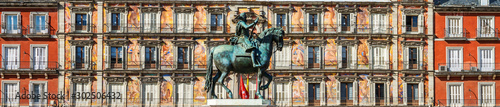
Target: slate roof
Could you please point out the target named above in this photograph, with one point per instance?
(464, 3)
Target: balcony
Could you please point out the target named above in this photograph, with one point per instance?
(11, 32)
(30, 65)
(466, 102)
(487, 34)
(338, 29)
(40, 31)
(81, 65)
(455, 34)
(414, 65)
(153, 65)
(166, 28)
(412, 2)
(470, 68)
(81, 30)
(331, 65)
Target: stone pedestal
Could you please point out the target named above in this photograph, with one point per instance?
(238, 103)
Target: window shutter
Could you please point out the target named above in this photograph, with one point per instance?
(339, 56)
(306, 86)
(123, 22)
(179, 23)
(420, 23)
(73, 57)
(406, 61)
(124, 53)
(109, 23)
(339, 22)
(375, 23)
(322, 93)
(87, 57)
(405, 95)
(353, 56)
(3, 23)
(157, 56)
(107, 55)
(385, 23)
(372, 92)
(190, 21)
(73, 22)
(421, 93)
(143, 56)
(153, 23)
(89, 22)
(353, 21)
(355, 92)
(47, 24)
(403, 22)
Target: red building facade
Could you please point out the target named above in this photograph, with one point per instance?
(28, 52)
(466, 49)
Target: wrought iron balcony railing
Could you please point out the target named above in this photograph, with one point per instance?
(487, 33)
(30, 65)
(330, 64)
(472, 67)
(455, 32)
(467, 102)
(338, 28)
(414, 65)
(169, 28)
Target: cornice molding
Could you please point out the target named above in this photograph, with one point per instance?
(81, 42)
(116, 42)
(150, 42)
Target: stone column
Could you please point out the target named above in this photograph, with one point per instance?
(61, 49)
(99, 51)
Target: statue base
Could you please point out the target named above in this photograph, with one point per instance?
(238, 102)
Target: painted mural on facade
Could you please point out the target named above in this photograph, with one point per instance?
(167, 91)
(299, 96)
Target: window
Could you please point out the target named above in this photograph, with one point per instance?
(412, 58)
(486, 92)
(149, 22)
(486, 59)
(486, 26)
(346, 22)
(11, 56)
(283, 94)
(115, 21)
(39, 24)
(379, 56)
(116, 57)
(182, 58)
(281, 21)
(313, 56)
(9, 91)
(455, 59)
(216, 22)
(185, 94)
(454, 26)
(313, 22)
(150, 94)
(12, 22)
(117, 90)
(150, 57)
(282, 59)
(38, 88)
(345, 58)
(412, 94)
(79, 89)
(314, 94)
(455, 94)
(39, 58)
(346, 93)
(184, 22)
(411, 23)
(81, 22)
(379, 94)
(379, 24)
(484, 2)
(80, 57)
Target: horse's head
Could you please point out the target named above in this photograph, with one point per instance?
(277, 36)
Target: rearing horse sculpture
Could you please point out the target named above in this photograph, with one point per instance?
(234, 58)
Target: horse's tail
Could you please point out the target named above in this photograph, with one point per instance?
(208, 77)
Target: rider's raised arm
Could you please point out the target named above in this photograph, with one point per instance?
(242, 23)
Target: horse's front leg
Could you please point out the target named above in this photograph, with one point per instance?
(259, 79)
(269, 77)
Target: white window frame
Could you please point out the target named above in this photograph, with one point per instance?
(283, 59)
(32, 54)
(185, 22)
(32, 22)
(80, 101)
(319, 57)
(420, 92)
(383, 22)
(420, 18)
(385, 89)
(143, 56)
(122, 22)
(407, 54)
(480, 59)
(384, 64)
(461, 93)
(283, 94)
(352, 58)
(154, 24)
(43, 101)
(459, 30)
(354, 92)
(352, 19)
(209, 21)
(286, 23)
(185, 90)
(122, 91)
(491, 32)
(492, 94)
(89, 21)
(319, 20)
(87, 53)
(461, 58)
(4, 100)
(108, 56)
(4, 58)
(4, 22)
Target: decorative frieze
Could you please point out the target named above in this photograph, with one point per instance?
(216, 43)
(413, 79)
(346, 42)
(314, 9)
(150, 79)
(217, 9)
(115, 79)
(150, 42)
(117, 9)
(81, 42)
(314, 79)
(288, 42)
(80, 79)
(412, 11)
(183, 79)
(379, 9)
(315, 42)
(341, 9)
(346, 78)
(150, 9)
(412, 43)
(379, 42)
(184, 9)
(379, 78)
(116, 42)
(184, 42)
(281, 9)
(80, 9)
(283, 79)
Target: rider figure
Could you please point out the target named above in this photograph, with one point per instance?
(242, 29)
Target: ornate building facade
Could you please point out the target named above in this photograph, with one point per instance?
(336, 53)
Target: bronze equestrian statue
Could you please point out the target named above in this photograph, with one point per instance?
(244, 56)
